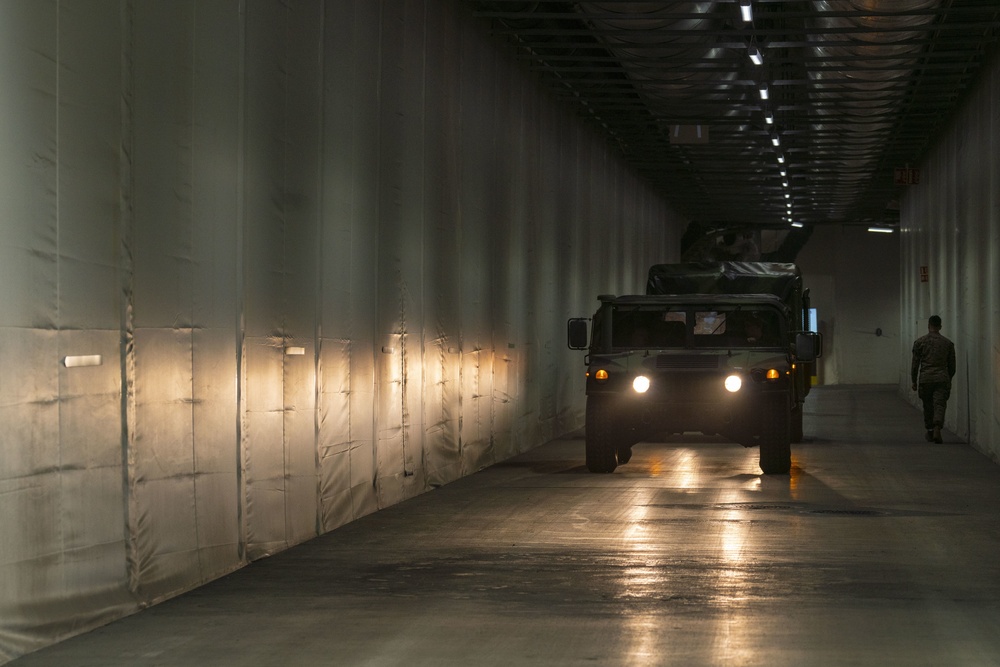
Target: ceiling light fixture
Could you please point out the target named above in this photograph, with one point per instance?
(775, 139)
(880, 230)
(763, 91)
(746, 11)
(797, 224)
(756, 57)
(769, 118)
(781, 158)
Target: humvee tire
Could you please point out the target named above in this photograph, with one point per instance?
(624, 454)
(602, 447)
(775, 441)
(797, 431)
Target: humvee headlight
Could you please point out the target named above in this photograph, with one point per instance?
(733, 383)
(641, 384)
(601, 375)
(772, 373)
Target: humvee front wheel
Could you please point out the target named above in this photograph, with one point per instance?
(798, 433)
(602, 449)
(775, 441)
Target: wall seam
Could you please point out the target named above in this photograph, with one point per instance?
(318, 277)
(376, 284)
(127, 324)
(58, 271)
(240, 250)
(194, 325)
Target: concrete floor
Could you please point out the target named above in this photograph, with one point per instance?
(878, 549)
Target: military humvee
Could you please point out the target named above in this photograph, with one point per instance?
(716, 347)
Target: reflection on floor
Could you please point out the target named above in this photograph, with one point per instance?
(879, 548)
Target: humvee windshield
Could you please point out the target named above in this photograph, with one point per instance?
(646, 327)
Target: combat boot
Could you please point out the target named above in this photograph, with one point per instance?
(937, 435)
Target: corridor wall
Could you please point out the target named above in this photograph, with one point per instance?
(950, 260)
(853, 281)
(317, 258)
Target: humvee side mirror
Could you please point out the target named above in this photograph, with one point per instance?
(576, 333)
(808, 345)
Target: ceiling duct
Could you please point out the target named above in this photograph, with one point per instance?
(870, 53)
(856, 88)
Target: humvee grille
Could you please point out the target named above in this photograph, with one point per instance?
(692, 361)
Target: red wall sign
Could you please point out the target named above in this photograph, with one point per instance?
(905, 176)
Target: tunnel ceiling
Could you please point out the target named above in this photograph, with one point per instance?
(856, 89)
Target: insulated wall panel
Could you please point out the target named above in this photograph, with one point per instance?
(28, 110)
(508, 270)
(280, 196)
(301, 193)
(161, 495)
(477, 227)
(213, 423)
(566, 243)
(349, 261)
(440, 245)
(345, 465)
(325, 252)
(401, 255)
(180, 141)
(88, 169)
(61, 467)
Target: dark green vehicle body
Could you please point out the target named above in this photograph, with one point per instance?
(699, 327)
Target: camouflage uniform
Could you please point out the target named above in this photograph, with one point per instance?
(931, 369)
